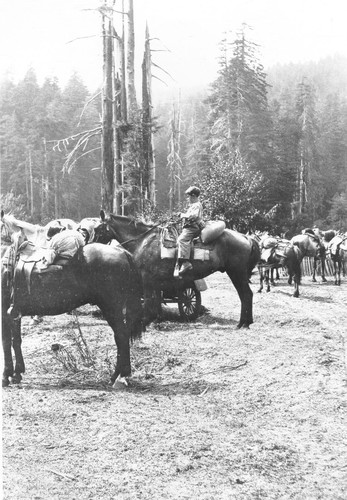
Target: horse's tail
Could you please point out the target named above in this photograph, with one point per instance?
(297, 262)
(134, 315)
(255, 255)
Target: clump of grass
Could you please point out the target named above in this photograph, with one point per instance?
(78, 356)
(81, 345)
(64, 356)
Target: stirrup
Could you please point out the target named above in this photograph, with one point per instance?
(14, 313)
(186, 266)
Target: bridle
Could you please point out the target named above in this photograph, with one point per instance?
(130, 240)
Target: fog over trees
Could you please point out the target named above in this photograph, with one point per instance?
(262, 145)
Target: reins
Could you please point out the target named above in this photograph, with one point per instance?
(131, 239)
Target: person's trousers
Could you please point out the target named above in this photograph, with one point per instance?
(184, 241)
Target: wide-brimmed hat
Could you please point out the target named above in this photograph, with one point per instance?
(193, 191)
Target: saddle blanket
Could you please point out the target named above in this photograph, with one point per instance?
(198, 253)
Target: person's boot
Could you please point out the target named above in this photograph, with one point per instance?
(186, 266)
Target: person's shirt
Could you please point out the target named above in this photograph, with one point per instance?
(194, 213)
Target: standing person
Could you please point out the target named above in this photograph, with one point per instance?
(192, 226)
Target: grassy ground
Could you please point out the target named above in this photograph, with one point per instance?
(211, 412)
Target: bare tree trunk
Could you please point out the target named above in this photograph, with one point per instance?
(174, 160)
(301, 183)
(45, 184)
(31, 184)
(131, 62)
(147, 121)
(107, 153)
(56, 192)
(118, 57)
(27, 183)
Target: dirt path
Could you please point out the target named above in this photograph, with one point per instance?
(211, 412)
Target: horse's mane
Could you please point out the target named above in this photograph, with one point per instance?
(10, 219)
(136, 221)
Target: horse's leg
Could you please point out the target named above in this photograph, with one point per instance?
(261, 277)
(116, 318)
(290, 274)
(322, 259)
(314, 270)
(272, 276)
(240, 282)
(158, 304)
(152, 304)
(7, 348)
(267, 279)
(17, 347)
(339, 271)
(277, 274)
(296, 285)
(296, 271)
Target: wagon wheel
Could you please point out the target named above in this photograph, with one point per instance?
(189, 303)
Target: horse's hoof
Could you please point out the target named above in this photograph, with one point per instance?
(14, 314)
(314, 281)
(16, 379)
(5, 382)
(242, 325)
(36, 320)
(120, 383)
(324, 280)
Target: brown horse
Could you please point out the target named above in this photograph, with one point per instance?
(324, 238)
(337, 247)
(102, 275)
(232, 252)
(310, 245)
(277, 252)
(34, 233)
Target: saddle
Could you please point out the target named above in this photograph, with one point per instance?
(337, 243)
(274, 248)
(168, 245)
(26, 259)
(311, 234)
(30, 259)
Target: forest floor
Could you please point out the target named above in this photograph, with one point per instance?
(211, 412)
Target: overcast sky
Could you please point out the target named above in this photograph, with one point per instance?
(49, 35)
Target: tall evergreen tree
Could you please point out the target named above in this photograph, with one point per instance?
(239, 117)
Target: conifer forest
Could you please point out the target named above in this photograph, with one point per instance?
(267, 146)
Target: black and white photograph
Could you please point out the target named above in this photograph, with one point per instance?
(173, 249)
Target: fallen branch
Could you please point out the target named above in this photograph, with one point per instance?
(221, 368)
(61, 474)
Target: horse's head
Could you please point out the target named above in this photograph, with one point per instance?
(18, 238)
(104, 233)
(8, 226)
(123, 229)
(5, 237)
(54, 228)
(87, 228)
(316, 245)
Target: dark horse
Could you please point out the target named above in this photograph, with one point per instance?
(277, 252)
(337, 248)
(232, 252)
(310, 245)
(102, 275)
(322, 237)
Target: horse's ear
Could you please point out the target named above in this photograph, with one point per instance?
(2, 213)
(102, 215)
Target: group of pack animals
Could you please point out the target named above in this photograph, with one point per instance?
(277, 252)
(121, 269)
